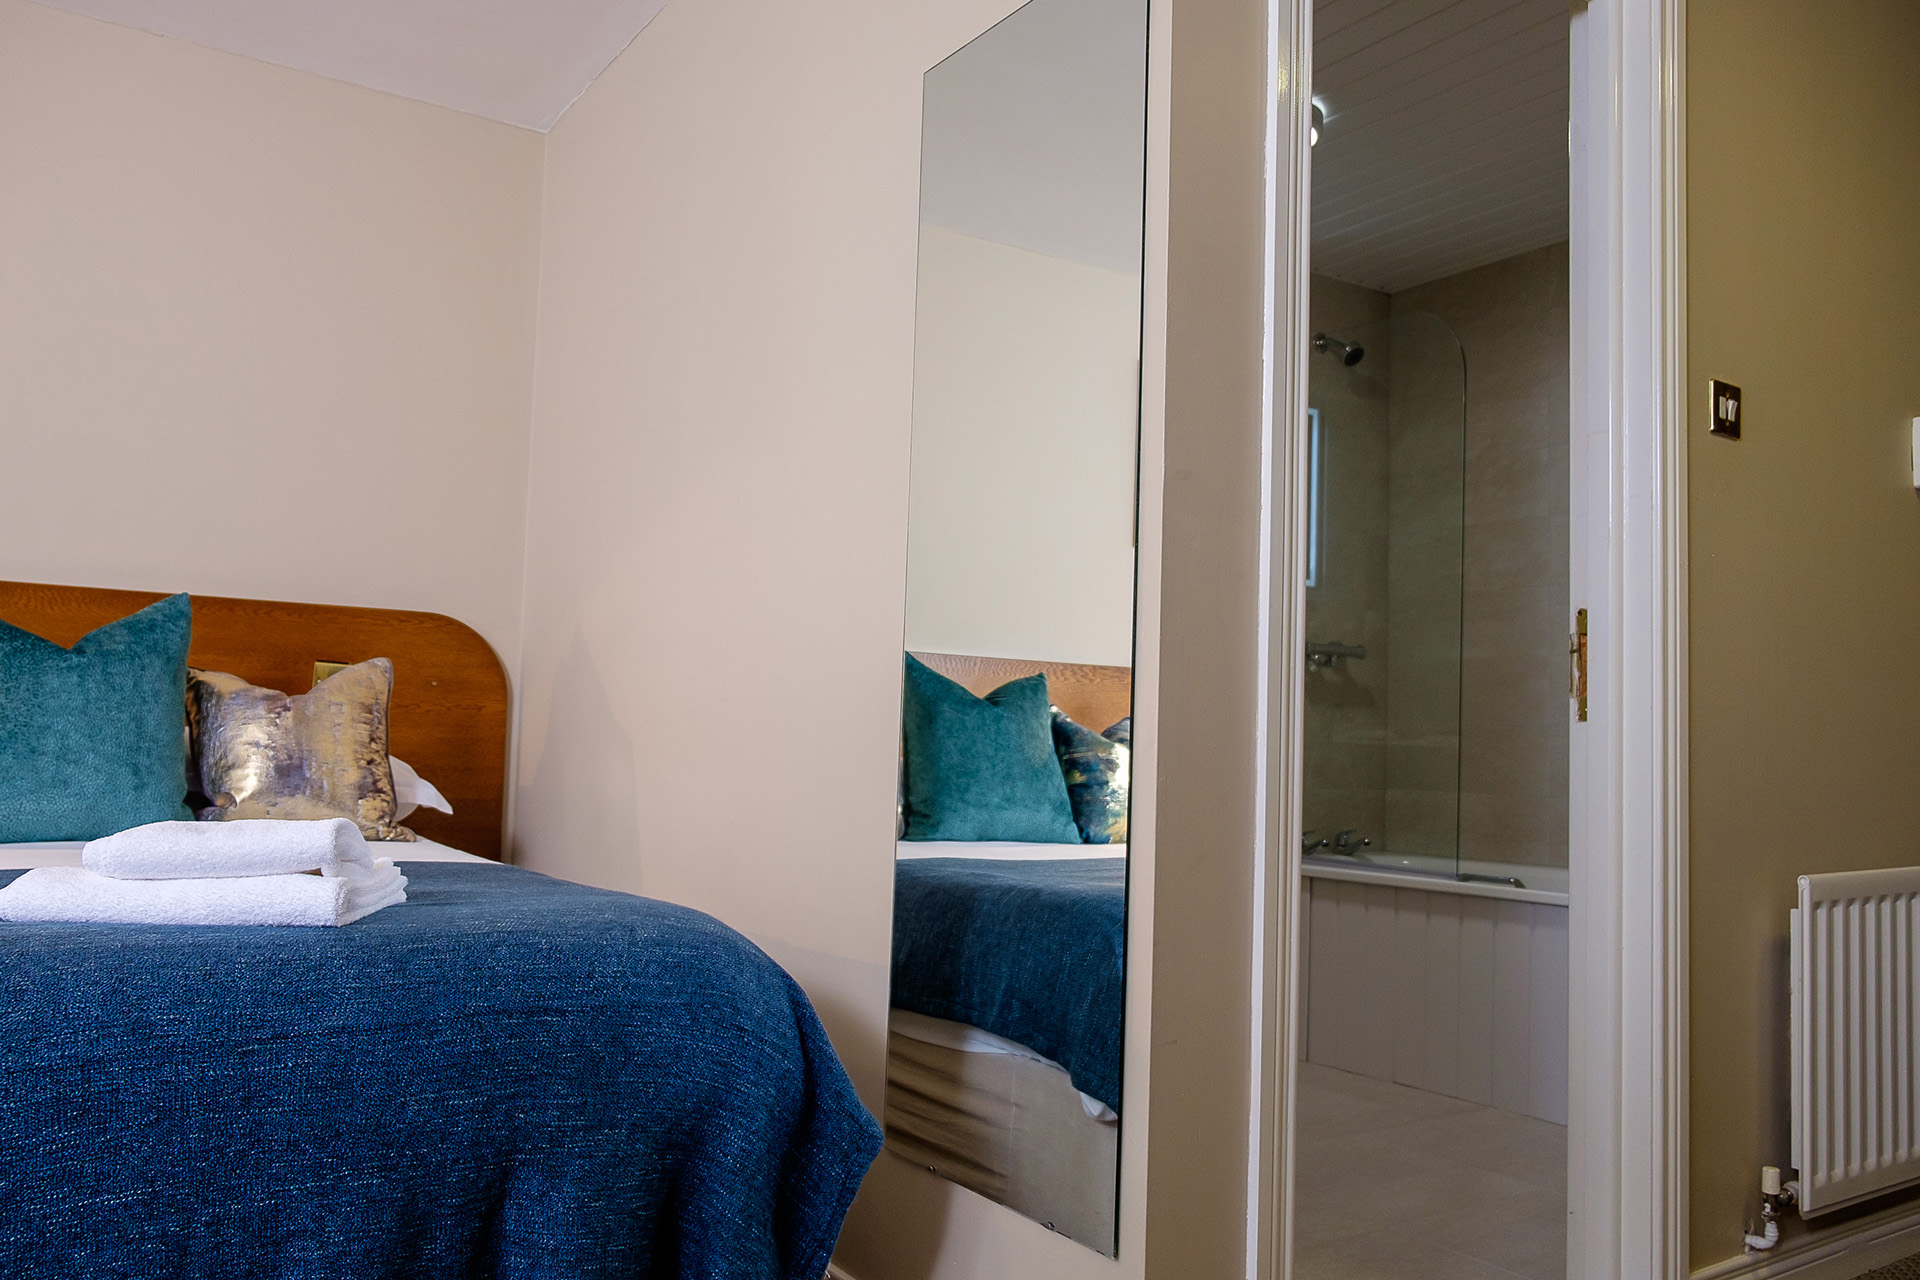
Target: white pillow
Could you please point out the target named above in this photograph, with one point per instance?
(411, 791)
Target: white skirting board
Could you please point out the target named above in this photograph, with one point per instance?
(1835, 1253)
(1460, 996)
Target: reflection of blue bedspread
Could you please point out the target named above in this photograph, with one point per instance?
(508, 1076)
(1032, 951)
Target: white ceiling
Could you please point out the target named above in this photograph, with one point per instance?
(1445, 145)
(1035, 134)
(522, 62)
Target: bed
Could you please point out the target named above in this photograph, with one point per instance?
(1008, 983)
(507, 1076)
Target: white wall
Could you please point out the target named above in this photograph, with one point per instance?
(1025, 435)
(261, 333)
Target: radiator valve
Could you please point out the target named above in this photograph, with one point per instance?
(1776, 1198)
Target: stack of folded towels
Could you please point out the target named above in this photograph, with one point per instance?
(242, 872)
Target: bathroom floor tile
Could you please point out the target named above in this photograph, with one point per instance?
(1395, 1183)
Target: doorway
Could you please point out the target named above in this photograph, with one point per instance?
(1431, 1098)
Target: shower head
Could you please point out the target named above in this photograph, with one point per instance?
(1351, 353)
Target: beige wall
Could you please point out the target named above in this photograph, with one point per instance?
(261, 333)
(1511, 320)
(1803, 261)
(1026, 410)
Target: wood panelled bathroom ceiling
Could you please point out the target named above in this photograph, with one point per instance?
(521, 62)
(1445, 143)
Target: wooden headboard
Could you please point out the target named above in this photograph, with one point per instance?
(1094, 696)
(448, 718)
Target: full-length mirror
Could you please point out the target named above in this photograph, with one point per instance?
(1005, 1034)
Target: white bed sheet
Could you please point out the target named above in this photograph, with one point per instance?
(1009, 1127)
(961, 1037)
(66, 853)
(964, 1037)
(1004, 850)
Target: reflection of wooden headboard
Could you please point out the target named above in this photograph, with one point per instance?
(1094, 696)
(449, 713)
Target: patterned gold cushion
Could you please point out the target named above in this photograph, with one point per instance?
(258, 753)
(1097, 769)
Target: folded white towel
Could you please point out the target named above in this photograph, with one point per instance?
(77, 895)
(370, 887)
(247, 847)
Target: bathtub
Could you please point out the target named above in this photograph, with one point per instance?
(1509, 880)
(1458, 987)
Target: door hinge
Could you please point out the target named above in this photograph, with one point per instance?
(1577, 664)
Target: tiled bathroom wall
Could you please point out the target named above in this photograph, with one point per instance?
(1427, 393)
(1445, 551)
(1511, 318)
(1346, 705)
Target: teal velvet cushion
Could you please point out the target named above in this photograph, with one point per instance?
(982, 768)
(1097, 768)
(93, 738)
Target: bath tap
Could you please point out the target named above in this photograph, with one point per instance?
(1345, 843)
(1308, 844)
(1331, 654)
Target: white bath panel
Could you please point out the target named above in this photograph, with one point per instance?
(1462, 996)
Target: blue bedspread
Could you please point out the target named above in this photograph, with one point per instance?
(508, 1076)
(1033, 951)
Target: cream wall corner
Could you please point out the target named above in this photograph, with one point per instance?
(717, 510)
(718, 522)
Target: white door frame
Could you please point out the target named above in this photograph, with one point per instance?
(1627, 1186)
(1627, 1176)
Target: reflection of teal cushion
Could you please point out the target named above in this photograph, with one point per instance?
(93, 738)
(982, 768)
(1095, 766)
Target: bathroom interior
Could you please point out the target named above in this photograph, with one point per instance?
(1432, 1094)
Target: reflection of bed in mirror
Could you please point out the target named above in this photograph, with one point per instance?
(1004, 1045)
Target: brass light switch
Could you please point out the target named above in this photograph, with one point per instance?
(321, 670)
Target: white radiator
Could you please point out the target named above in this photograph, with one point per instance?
(1856, 1038)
